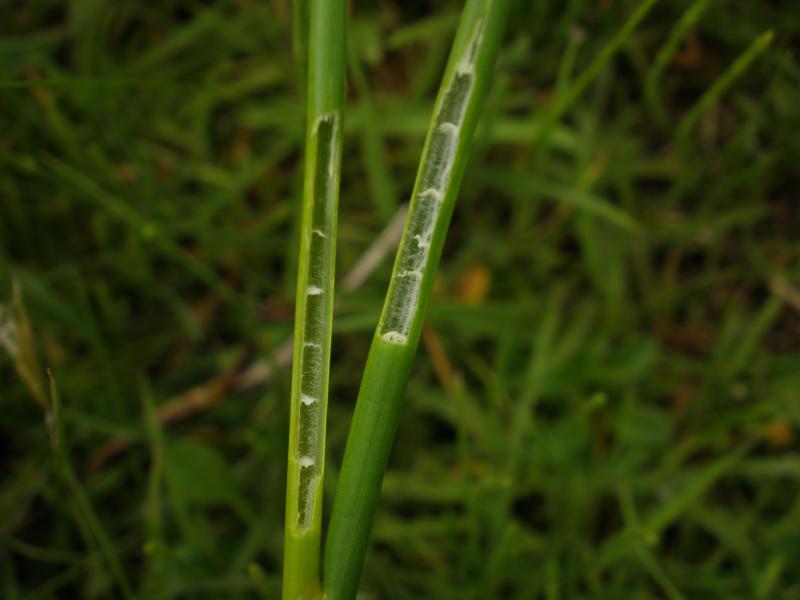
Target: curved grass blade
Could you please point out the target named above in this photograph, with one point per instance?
(444, 158)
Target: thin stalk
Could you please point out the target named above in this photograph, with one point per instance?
(314, 311)
(444, 158)
(92, 528)
(300, 55)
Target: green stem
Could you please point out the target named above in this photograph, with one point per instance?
(314, 311)
(444, 158)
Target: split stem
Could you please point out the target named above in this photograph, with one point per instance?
(394, 345)
(314, 309)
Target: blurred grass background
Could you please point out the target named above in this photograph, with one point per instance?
(606, 402)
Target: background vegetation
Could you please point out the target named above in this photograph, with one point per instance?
(606, 400)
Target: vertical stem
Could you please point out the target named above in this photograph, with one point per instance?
(391, 355)
(313, 316)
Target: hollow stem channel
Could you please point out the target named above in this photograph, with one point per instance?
(314, 304)
(394, 345)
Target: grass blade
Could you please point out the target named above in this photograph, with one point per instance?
(726, 80)
(391, 356)
(681, 29)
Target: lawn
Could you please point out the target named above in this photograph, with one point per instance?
(606, 399)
